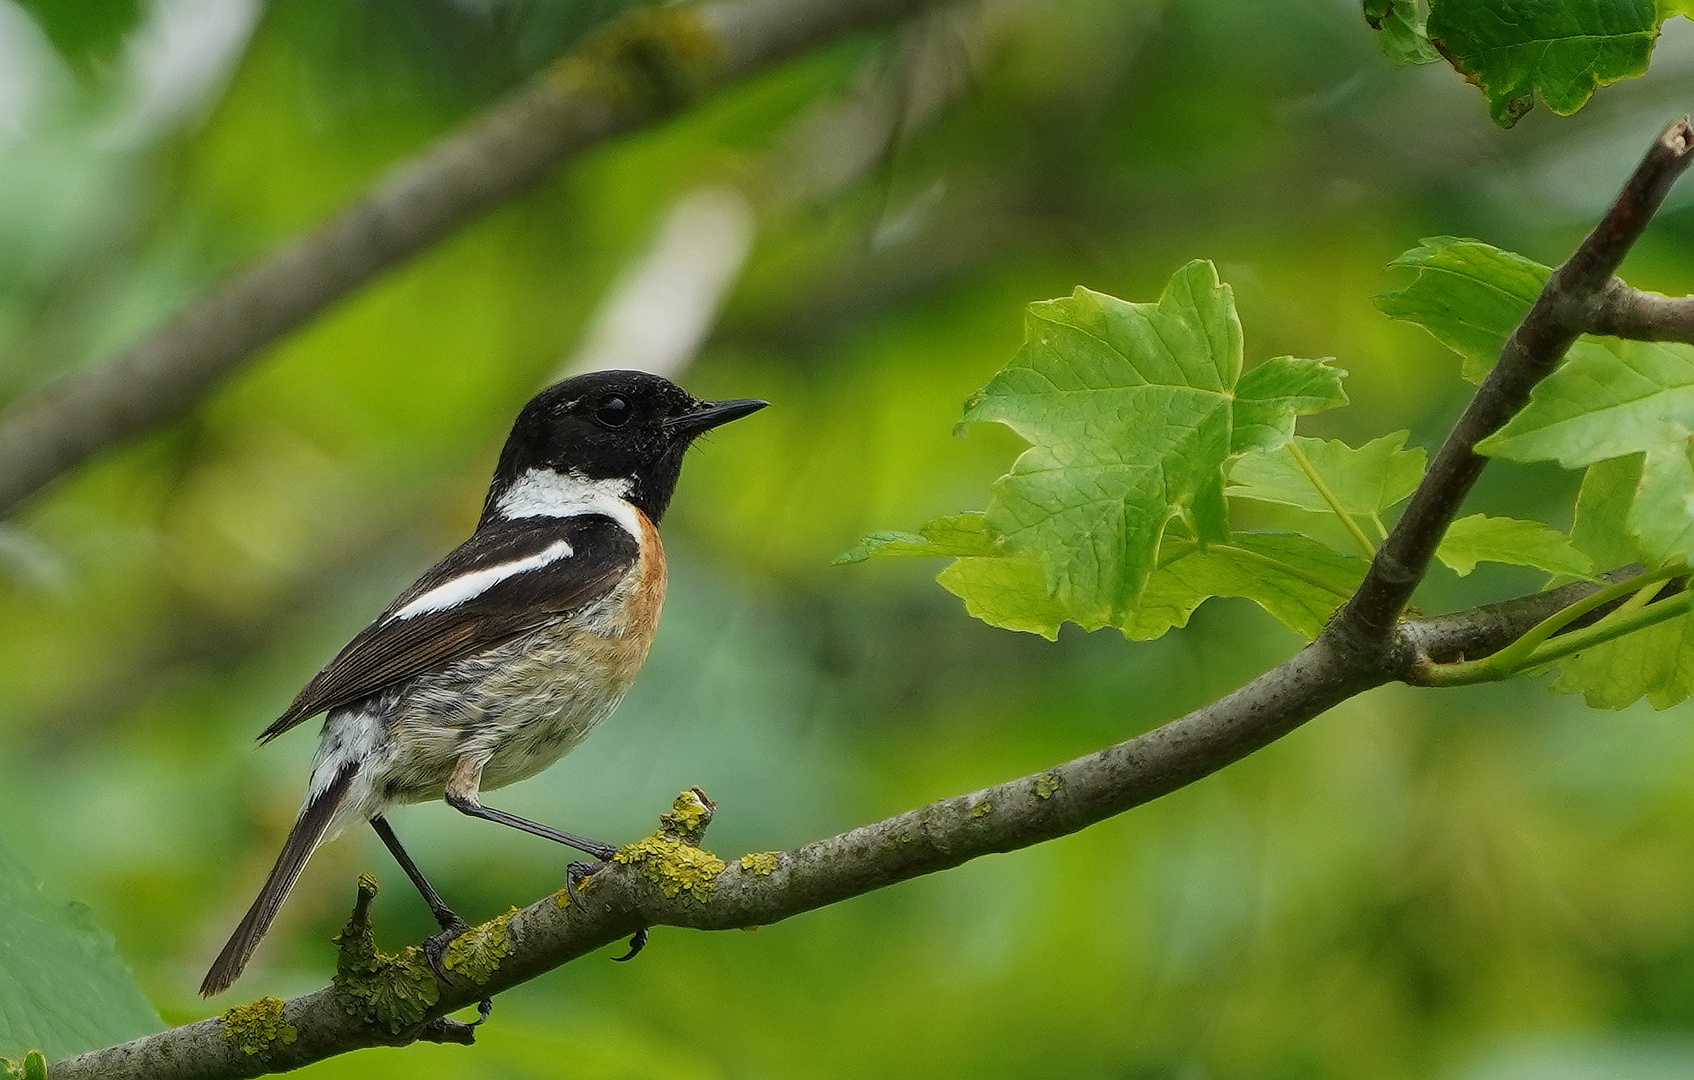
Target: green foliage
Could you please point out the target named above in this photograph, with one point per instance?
(1614, 399)
(1620, 409)
(63, 988)
(1656, 663)
(1115, 515)
(1293, 577)
(1480, 538)
(1521, 51)
(1469, 294)
(960, 536)
(1131, 410)
(1366, 480)
(1403, 28)
(1599, 527)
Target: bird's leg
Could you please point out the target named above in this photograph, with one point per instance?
(463, 795)
(435, 949)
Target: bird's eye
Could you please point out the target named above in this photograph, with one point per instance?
(613, 410)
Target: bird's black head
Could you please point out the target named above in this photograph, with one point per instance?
(608, 435)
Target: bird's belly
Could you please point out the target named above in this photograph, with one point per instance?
(518, 707)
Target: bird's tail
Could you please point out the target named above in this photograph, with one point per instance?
(303, 839)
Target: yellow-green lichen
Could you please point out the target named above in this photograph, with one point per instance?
(477, 952)
(1046, 784)
(651, 58)
(982, 808)
(675, 867)
(688, 816)
(257, 1027)
(394, 992)
(672, 858)
(32, 1067)
(759, 862)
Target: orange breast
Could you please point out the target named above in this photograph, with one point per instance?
(639, 614)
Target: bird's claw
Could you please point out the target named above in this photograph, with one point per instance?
(445, 1029)
(577, 873)
(435, 948)
(483, 1008)
(636, 943)
(435, 954)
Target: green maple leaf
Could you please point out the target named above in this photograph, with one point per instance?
(956, 536)
(63, 988)
(1611, 399)
(1656, 663)
(1600, 528)
(1518, 51)
(1401, 25)
(1469, 295)
(1131, 411)
(1366, 480)
(1298, 580)
(1007, 591)
(1479, 538)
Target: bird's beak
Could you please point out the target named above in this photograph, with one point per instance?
(711, 414)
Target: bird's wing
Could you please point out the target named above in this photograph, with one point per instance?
(499, 584)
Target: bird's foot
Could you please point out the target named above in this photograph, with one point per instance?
(577, 873)
(435, 954)
(636, 944)
(435, 948)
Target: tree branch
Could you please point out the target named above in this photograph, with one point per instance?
(667, 880)
(1565, 309)
(944, 834)
(639, 68)
(1644, 316)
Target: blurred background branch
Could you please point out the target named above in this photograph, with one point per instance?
(638, 68)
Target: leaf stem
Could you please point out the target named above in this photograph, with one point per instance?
(1510, 659)
(1329, 497)
(1538, 647)
(1609, 628)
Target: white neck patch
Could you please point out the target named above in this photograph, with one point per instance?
(545, 493)
(468, 586)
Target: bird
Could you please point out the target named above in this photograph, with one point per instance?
(502, 657)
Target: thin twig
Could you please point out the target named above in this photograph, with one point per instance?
(1627, 312)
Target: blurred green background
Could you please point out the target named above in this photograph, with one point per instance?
(1477, 884)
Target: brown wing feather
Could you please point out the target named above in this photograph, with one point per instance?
(391, 650)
